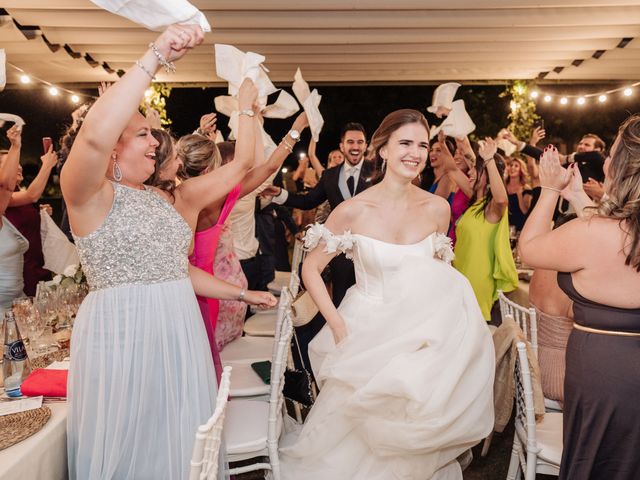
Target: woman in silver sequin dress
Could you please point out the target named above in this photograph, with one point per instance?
(141, 377)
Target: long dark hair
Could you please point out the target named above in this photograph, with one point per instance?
(164, 153)
(622, 201)
(390, 124)
(487, 195)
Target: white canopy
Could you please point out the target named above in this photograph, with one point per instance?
(342, 41)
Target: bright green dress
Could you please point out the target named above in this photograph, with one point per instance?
(483, 255)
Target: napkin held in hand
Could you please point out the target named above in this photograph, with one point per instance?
(45, 382)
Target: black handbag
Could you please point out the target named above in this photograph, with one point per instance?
(297, 383)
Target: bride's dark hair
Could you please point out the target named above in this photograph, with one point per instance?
(390, 124)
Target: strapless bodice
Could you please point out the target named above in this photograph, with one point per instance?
(378, 264)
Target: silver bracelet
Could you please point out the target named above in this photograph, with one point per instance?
(243, 292)
(551, 188)
(169, 67)
(144, 69)
(287, 145)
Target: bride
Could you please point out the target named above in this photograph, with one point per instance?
(406, 362)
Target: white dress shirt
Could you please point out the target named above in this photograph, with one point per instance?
(346, 171)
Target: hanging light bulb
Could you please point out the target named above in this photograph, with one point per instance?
(514, 105)
(53, 91)
(534, 94)
(75, 98)
(285, 170)
(25, 79)
(564, 101)
(581, 101)
(547, 98)
(627, 92)
(602, 98)
(148, 92)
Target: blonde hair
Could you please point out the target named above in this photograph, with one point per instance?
(524, 177)
(198, 154)
(622, 201)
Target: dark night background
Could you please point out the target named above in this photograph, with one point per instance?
(48, 116)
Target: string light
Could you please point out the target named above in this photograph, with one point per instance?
(582, 99)
(285, 170)
(54, 90)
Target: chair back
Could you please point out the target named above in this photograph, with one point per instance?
(524, 317)
(282, 347)
(206, 449)
(298, 256)
(525, 421)
(294, 284)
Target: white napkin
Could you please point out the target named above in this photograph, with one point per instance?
(458, 124)
(310, 102)
(3, 69)
(9, 117)
(156, 14)
(58, 251)
(234, 66)
(506, 146)
(443, 97)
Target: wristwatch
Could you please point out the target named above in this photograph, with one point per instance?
(294, 134)
(248, 112)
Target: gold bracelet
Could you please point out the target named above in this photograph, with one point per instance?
(287, 145)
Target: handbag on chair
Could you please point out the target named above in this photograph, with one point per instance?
(303, 309)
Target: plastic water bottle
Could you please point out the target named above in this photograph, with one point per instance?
(15, 365)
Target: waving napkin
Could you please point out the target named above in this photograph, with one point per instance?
(234, 66)
(58, 251)
(443, 98)
(310, 102)
(3, 69)
(9, 117)
(458, 124)
(156, 14)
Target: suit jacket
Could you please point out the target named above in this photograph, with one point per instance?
(328, 189)
(590, 164)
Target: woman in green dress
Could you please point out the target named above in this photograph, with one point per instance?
(483, 253)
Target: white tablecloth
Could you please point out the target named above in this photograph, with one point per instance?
(42, 456)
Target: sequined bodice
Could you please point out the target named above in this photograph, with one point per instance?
(142, 240)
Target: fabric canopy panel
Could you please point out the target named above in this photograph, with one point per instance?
(342, 41)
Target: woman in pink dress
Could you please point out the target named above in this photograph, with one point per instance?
(200, 155)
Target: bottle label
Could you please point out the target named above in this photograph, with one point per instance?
(15, 351)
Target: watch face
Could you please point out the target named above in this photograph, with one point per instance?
(294, 134)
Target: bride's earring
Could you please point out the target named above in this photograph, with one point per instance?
(115, 171)
(384, 165)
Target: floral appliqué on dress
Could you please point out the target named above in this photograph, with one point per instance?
(443, 248)
(333, 243)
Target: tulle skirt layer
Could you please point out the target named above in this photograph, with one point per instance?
(141, 382)
(408, 390)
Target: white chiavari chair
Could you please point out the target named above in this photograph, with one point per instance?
(537, 448)
(253, 428)
(206, 449)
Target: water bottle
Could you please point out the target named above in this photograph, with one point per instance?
(15, 365)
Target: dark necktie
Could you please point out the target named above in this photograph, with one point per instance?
(351, 185)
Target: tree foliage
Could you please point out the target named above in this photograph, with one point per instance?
(156, 98)
(523, 114)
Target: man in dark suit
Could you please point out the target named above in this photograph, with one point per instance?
(336, 185)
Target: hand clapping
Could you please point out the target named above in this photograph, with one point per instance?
(552, 175)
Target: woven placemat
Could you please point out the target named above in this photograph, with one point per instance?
(18, 426)
(48, 358)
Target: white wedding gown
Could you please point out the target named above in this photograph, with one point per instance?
(411, 387)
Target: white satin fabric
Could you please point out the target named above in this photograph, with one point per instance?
(411, 387)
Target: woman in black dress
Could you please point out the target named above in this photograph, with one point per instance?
(599, 253)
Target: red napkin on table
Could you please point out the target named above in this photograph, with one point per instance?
(49, 383)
